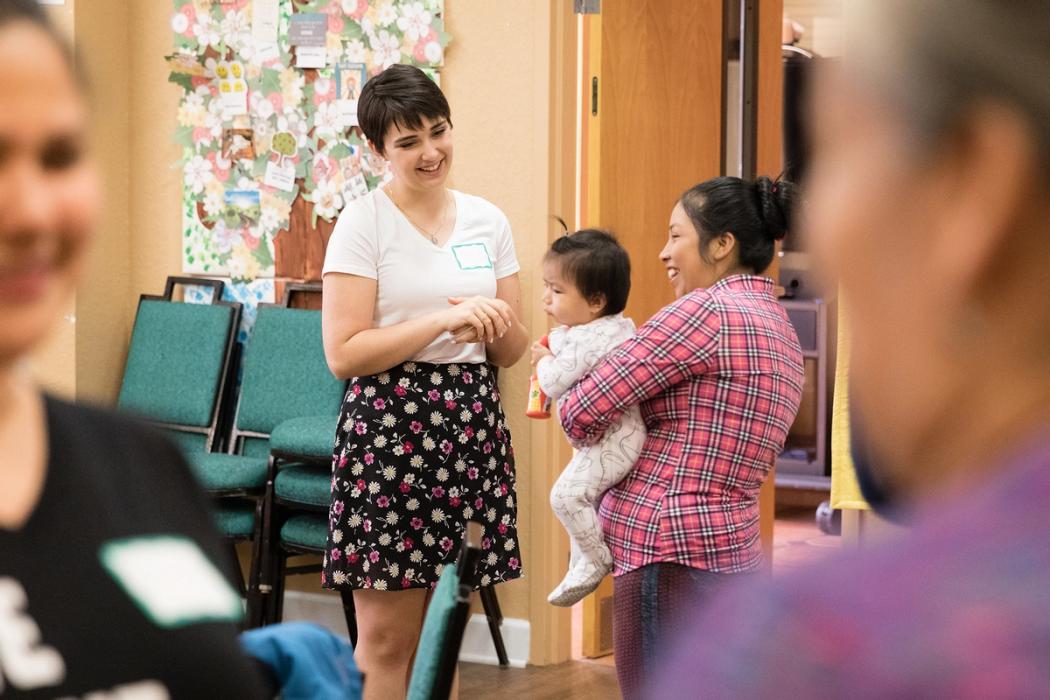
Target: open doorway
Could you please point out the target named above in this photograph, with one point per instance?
(652, 95)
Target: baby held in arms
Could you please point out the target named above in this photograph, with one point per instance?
(586, 279)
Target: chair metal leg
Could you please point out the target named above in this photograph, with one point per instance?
(254, 595)
(276, 607)
(272, 608)
(268, 551)
(350, 612)
(235, 562)
(495, 619)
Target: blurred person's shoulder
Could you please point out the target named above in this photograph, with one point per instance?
(958, 601)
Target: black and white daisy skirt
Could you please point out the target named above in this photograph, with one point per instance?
(420, 450)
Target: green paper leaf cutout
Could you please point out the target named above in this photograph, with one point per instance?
(262, 254)
(184, 136)
(339, 151)
(269, 81)
(352, 31)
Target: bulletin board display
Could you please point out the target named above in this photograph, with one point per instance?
(267, 119)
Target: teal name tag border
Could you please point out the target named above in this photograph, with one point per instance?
(455, 254)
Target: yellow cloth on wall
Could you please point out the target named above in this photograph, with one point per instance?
(845, 493)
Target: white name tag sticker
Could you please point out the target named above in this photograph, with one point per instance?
(472, 256)
(171, 580)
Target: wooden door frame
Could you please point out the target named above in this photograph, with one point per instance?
(551, 632)
(551, 626)
(589, 199)
(769, 160)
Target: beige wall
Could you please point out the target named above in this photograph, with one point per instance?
(102, 303)
(497, 80)
(62, 16)
(822, 22)
(156, 183)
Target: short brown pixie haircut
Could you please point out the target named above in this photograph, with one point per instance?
(401, 95)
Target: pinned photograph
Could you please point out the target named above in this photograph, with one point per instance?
(238, 144)
(356, 187)
(185, 64)
(233, 88)
(241, 208)
(349, 80)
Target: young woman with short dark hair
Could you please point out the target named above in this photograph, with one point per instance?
(421, 301)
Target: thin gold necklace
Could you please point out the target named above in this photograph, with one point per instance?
(441, 222)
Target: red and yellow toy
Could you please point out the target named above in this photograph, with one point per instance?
(539, 403)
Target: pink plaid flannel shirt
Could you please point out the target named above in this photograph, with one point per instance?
(718, 375)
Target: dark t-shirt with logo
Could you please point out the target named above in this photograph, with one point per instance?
(117, 585)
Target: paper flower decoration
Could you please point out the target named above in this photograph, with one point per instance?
(238, 89)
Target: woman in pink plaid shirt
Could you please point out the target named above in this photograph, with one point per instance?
(718, 375)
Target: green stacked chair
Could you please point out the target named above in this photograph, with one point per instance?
(300, 457)
(285, 420)
(179, 361)
(179, 369)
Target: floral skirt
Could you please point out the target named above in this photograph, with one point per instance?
(420, 450)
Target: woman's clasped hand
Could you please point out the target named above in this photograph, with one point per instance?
(478, 319)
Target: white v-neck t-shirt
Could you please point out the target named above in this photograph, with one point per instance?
(414, 277)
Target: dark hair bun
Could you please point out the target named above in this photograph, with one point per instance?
(776, 201)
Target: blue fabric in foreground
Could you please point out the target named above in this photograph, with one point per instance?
(309, 662)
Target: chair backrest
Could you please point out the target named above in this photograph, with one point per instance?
(178, 362)
(285, 374)
(438, 651)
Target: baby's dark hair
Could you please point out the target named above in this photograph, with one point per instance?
(596, 263)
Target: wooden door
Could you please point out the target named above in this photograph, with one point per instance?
(660, 109)
(653, 131)
(655, 68)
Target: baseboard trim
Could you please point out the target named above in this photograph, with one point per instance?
(326, 609)
(478, 647)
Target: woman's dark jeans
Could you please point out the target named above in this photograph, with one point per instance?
(648, 603)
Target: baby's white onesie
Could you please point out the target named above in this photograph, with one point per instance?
(595, 468)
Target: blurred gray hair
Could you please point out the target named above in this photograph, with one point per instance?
(936, 58)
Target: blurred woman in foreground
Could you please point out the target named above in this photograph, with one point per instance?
(108, 581)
